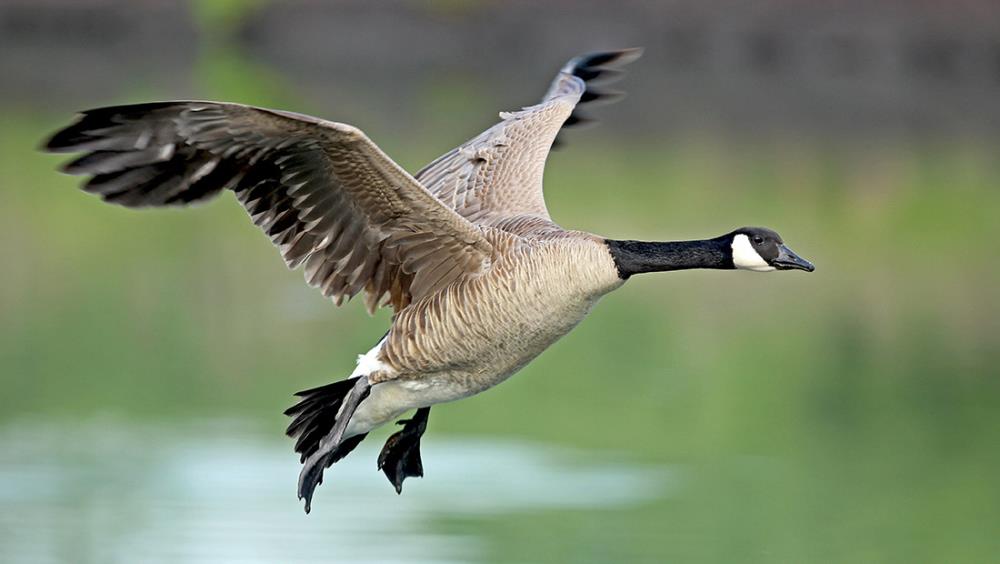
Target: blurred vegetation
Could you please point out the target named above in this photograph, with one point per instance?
(848, 415)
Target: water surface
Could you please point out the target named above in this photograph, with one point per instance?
(223, 492)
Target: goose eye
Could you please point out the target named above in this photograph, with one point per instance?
(758, 240)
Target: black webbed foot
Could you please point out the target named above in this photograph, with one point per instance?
(400, 457)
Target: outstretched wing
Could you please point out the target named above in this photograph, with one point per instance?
(498, 174)
(324, 193)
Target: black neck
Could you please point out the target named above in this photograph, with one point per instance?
(637, 257)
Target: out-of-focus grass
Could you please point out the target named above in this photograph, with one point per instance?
(850, 414)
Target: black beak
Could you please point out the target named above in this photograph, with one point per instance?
(788, 260)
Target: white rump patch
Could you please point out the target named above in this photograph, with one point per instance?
(745, 257)
(369, 362)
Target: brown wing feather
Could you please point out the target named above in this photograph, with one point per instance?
(324, 193)
(498, 174)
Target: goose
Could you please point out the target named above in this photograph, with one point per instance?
(479, 277)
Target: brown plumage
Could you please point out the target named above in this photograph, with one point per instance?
(464, 253)
(327, 196)
(480, 278)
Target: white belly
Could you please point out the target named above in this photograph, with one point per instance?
(389, 400)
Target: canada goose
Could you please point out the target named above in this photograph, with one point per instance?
(479, 277)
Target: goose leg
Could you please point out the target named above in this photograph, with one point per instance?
(400, 457)
(312, 469)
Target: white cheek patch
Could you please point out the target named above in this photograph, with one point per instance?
(745, 257)
(369, 362)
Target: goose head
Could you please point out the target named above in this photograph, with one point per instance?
(748, 248)
(762, 250)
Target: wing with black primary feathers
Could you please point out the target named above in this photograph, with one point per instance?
(324, 193)
(498, 174)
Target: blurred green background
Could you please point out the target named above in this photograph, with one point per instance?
(851, 415)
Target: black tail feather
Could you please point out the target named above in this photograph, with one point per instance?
(314, 416)
(322, 419)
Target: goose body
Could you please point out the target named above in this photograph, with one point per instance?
(478, 332)
(480, 279)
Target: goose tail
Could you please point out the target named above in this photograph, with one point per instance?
(313, 417)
